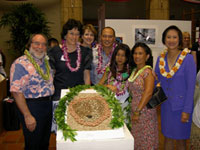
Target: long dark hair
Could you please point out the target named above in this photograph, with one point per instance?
(113, 64)
(146, 49)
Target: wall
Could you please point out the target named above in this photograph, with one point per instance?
(134, 9)
(177, 7)
(52, 12)
(126, 28)
(115, 10)
(4, 36)
(53, 15)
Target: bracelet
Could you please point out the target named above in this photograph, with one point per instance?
(137, 112)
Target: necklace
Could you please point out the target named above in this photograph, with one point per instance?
(121, 81)
(177, 65)
(99, 68)
(37, 67)
(133, 76)
(65, 53)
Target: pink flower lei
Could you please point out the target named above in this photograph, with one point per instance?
(65, 53)
(119, 82)
(99, 68)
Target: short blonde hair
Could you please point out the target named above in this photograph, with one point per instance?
(187, 34)
(91, 28)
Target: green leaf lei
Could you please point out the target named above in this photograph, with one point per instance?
(133, 76)
(117, 113)
(37, 67)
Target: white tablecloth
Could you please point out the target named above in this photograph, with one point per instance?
(126, 143)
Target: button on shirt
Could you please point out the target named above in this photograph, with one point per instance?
(25, 79)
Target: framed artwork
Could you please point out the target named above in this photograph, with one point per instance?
(145, 34)
(120, 38)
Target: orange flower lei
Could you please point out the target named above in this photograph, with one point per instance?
(176, 66)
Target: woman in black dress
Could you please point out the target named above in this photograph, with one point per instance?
(71, 62)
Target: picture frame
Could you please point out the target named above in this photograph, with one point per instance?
(146, 34)
(120, 38)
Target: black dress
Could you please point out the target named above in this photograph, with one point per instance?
(64, 78)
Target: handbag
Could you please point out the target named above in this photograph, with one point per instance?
(157, 98)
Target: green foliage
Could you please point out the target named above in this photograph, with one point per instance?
(128, 115)
(117, 114)
(24, 20)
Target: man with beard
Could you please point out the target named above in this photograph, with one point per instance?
(102, 54)
(31, 84)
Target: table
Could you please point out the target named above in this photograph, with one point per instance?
(125, 143)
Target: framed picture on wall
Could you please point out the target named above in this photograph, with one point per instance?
(145, 34)
(120, 38)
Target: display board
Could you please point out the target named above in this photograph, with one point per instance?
(131, 31)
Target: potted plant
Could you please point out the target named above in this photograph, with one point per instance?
(24, 20)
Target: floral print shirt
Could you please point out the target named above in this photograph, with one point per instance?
(25, 79)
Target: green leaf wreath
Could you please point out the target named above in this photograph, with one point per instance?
(117, 113)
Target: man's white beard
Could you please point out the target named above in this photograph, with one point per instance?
(32, 52)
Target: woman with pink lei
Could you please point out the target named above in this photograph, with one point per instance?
(71, 62)
(176, 71)
(117, 73)
(89, 35)
(141, 85)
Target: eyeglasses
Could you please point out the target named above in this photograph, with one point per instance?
(74, 34)
(38, 44)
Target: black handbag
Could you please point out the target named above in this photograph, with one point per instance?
(158, 97)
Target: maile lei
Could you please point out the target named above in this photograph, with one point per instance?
(117, 119)
(133, 76)
(65, 53)
(100, 69)
(175, 68)
(121, 81)
(37, 67)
